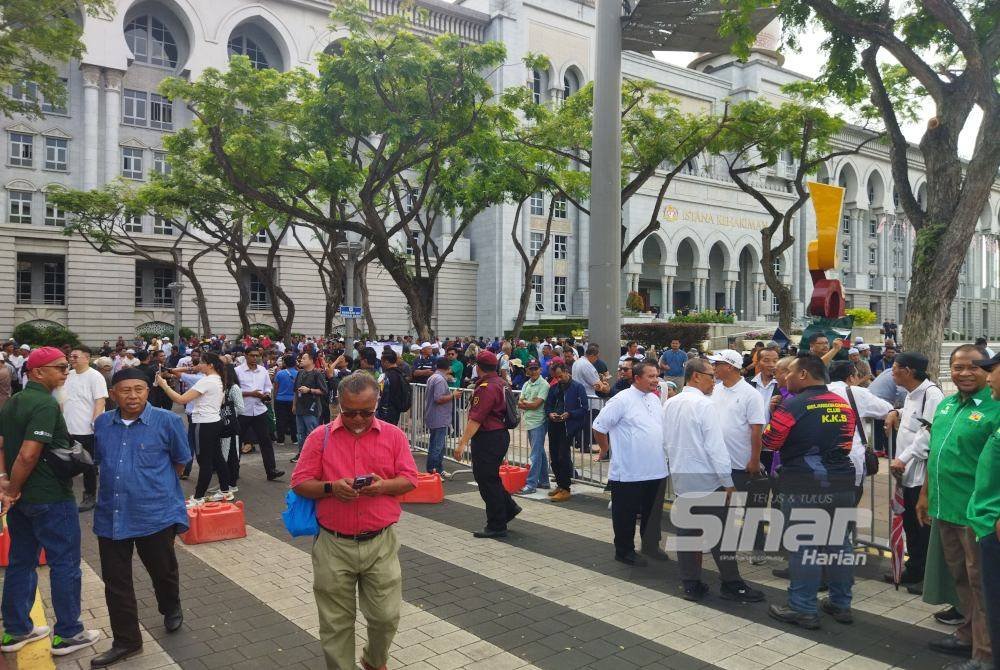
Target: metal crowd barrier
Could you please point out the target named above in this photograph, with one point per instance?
(588, 471)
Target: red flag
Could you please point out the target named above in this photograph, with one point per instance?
(896, 543)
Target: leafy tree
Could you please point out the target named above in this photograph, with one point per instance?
(330, 266)
(944, 53)
(33, 35)
(656, 136)
(751, 144)
(393, 137)
(99, 217)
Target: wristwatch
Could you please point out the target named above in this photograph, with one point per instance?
(328, 488)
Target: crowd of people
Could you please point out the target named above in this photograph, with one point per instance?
(773, 431)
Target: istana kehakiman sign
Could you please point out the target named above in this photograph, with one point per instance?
(683, 214)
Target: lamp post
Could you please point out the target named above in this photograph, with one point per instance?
(177, 288)
(350, 248)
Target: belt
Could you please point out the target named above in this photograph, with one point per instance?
(360, 537)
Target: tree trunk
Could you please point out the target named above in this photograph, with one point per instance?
(200, 302)
(781, 291)
(361, 286)
(243, 303)
(278, 298)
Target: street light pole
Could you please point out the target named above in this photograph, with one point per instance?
(349, 293)
(177, 289)
(604, 312)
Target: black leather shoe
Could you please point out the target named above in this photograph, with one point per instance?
(950, 617)
(517, 510)
(915, 589)
(952, 645)
(113, 655)
(172, 622)
(655, 553)
(277, 474)
(781, 573)
(740, 592)
(905, 578)
(695, 592)
(490, 533)
(632, 559)
(839, 614)
(971, 664)
(788, 615)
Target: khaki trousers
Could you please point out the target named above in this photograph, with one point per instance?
(343, 568)
(961, 553)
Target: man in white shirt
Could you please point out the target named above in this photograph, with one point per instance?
(700, 467)
(631, 351)
(585, 372)
(632, 420)
(166, 347)
(129, 360)
(743, 412)
(765, 381)
(912, 448)
(255, 383)
(84, 395)
(843, 376)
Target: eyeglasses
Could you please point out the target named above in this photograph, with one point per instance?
(61, 368)
(354, 413)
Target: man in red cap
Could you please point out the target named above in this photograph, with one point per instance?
(490, 440)
(42, 513)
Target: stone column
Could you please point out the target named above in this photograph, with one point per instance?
(91, 134)
(667, 288)
(112, 119)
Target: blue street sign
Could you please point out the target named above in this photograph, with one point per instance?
(351, 312)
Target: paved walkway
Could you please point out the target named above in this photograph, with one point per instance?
(549, 597)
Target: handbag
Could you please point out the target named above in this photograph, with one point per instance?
(871, 458)
(227, 413)
(68, 462)
(299, 516)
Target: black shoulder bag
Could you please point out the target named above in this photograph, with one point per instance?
(871, 458)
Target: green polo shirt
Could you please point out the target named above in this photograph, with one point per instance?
(33, 414)
(533, 390)
(961, 429)
(984, 506)
(457, 370)
(522, 354)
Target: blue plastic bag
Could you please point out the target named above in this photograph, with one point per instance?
(300, 512)
(299, 515)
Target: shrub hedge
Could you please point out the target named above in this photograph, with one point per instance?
(661, 334)
(44, 336)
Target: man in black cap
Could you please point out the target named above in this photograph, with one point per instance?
(490, 441)
(141, 450)
(913, 441)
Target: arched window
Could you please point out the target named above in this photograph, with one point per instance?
(151, 42)
(244, 46)
(536, 87)
(777, 265)
(571, 84)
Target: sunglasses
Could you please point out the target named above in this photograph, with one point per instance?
(354, 413)
(61, 368)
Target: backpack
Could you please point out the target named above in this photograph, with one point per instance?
(512, 415)
(405, 393)
(230, 422)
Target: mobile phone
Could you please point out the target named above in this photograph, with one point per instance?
(362, 481)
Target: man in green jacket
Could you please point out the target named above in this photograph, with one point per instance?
(984, 512)
(962, 425)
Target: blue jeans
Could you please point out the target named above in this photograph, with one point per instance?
(305, 424)
(435, 449)
(54, 527)
(805, 564)
(538, 474)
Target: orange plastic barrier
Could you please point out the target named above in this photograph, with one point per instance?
(5, 547)
(513, 477)
(215, 521)
(429, 490)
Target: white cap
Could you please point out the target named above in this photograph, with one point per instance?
(166, 339)
(426, 345)
(414, 347)
(853, 351)
(858, 339)
(727, 356)
(25, 347)
(862, 347)
(130, 351)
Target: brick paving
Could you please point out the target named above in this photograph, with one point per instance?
(549, 597)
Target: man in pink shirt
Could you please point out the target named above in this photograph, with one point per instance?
(357, 549)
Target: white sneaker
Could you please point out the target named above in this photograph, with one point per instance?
(11, 643)
(194, 502)
(63, 646)
(221, 496)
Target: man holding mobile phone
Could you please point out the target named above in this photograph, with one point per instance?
(356, 512)
(256, 386)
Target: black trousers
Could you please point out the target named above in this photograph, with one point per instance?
(757, 490)
(651, 536)
(262, 431)
(89, 476)
(560, 453)
(917, 535)
(629, 499)
(156, 552)
(285, 420)
(233, 461)
(192, 444)
(489, 448)
(689, 562)
(210, 458)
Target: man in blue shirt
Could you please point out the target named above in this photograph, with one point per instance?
(672, 363)
(284, 395)
(141, 450)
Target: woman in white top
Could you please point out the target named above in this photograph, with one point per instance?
(206, 398)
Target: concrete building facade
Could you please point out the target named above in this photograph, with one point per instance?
(705, 255)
